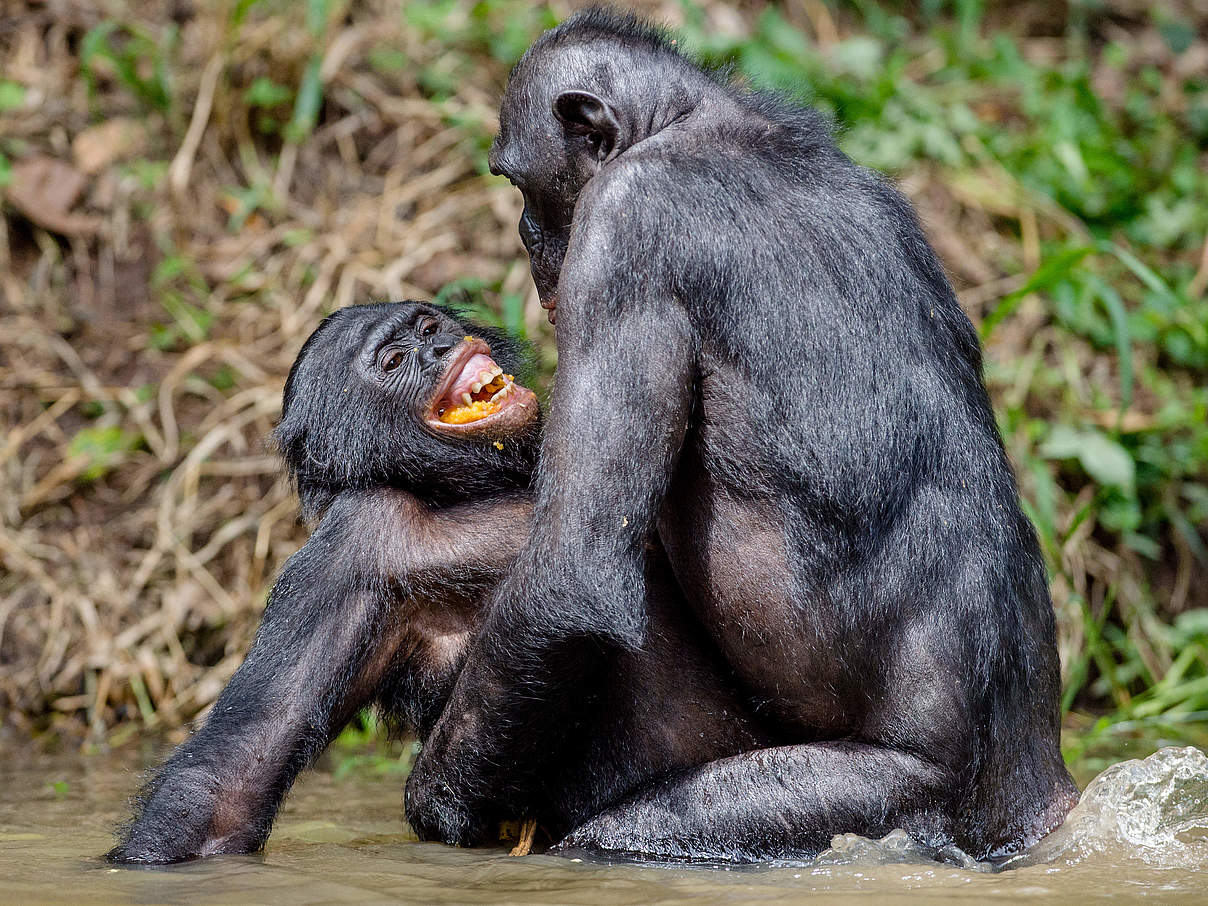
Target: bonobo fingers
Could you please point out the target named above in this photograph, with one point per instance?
(436, 813)
(185, 813)
(773, 804)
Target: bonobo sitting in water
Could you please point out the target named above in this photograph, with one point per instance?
(412, 449)
(761, 362)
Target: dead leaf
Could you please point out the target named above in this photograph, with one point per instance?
(97, 147)
(45, 190)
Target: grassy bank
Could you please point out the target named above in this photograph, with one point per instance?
(185, 197)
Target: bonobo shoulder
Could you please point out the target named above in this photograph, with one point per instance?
(629, 197)
(619, 186)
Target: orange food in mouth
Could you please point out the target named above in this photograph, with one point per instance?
(461, 415)
(475, 398)
(481, 390)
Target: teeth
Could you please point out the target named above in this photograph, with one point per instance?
(467, 399)
(507, 388)
(496, 371)
(476, 386)
(485, 376)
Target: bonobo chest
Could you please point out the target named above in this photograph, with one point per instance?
(725, 529)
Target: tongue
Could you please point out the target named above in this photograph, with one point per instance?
(469, 375)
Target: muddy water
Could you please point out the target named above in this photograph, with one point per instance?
(1140, 831)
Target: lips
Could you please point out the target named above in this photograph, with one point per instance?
(475, 396)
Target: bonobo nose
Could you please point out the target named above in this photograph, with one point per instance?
(436, 347)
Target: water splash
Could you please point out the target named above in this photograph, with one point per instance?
(1154, 810)
(895, 848)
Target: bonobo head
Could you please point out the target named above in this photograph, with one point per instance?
(586, 91)
(405, 395)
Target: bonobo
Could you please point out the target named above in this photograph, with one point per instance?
(413, 449)
(760, 362)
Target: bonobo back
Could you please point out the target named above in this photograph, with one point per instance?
(795, 402)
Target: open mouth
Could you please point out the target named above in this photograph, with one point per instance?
(475, 394)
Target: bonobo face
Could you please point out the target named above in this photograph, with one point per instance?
(551, 141)
(449, 380)
(550, 186)
(404, 394)
(418, 360)
(584, 93)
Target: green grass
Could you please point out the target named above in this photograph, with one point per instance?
(1118, 185)
(1072, 168)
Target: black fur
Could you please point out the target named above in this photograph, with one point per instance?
(762, 362)
(346, 425)
(380, 604)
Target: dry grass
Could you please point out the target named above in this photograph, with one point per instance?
(161, 264)
(136, 559)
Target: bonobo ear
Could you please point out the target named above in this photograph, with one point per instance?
(583, 113)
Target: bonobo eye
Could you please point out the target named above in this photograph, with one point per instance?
(429, 327)
(393, 360)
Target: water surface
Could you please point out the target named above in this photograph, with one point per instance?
(1140, 831)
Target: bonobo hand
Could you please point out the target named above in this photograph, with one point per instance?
(436, 802)
(143, 849)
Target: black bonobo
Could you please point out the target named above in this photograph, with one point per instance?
(760, 362)
(413, 450)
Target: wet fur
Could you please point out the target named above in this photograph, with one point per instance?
(381, 603)
(794, 405)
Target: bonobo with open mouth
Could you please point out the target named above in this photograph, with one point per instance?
(413, 448)
(476, 395)
(406, 395)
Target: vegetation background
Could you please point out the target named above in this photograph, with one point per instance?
(189, 186)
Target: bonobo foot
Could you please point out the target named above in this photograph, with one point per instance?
(653, 829)
(639, 829)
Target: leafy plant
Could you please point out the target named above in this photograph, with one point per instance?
(137, 58)
(104, 447)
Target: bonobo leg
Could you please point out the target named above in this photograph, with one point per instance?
(783, 803)
(324, 644)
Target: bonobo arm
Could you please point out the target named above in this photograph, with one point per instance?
(337, 622)
(323, 644)
(618, 415)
